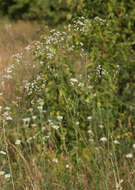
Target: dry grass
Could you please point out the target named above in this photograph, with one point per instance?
(15, 36)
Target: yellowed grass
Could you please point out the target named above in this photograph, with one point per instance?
(14, 37)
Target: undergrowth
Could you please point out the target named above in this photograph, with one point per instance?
(70, 125)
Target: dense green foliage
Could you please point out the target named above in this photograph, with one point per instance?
(103, 87)
(48, 10)
(53, 11)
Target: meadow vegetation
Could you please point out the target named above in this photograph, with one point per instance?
(67, 104)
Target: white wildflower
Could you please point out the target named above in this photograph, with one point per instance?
(50, 121)
(103, 139)
(17, 142)
(34, 117)
(47, 137)
(2, 172)
(55, 127)
(60, 117)
(40, 108)
(81, 84)
(41, 102)
(81, 44)
(26, 120)
(9, 70)
(73, 80)
(31, 109)
(2, 152)
(90, 87)
(34, 125)
(7, 108)
(90, 131)
(27, 48)
(29, 139)
(67, 166)
(116, 142)
(8, 118)
(134, 146)
(130, 155)
(101, 126)
(91, 140)
(41, 62)
(7, 176)
(55, 160)
(89, 117)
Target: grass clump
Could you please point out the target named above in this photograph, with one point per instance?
(71, 124)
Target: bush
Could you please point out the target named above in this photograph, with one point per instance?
(86, 81)
(55, 12)
(52, 11)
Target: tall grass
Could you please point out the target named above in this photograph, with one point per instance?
(15, 37)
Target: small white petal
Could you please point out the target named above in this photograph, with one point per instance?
(55, 160)
(67, 166)
(130, 155)
(7, 108)
(116, 142)
(59, 117)
(101, 126)
(18, 141)
(89, 117)
(90, 131)
(73, 80)
(2, 152)
(55, 127)
(34, 117)
(91, 140)
(90, 87)
(2, 172)
(103, 139)
(7, 176)
(8, 118)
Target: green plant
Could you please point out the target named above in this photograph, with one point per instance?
(74, 120)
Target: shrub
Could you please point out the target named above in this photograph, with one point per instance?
(56, 12)
(85, 80)
(53, 12)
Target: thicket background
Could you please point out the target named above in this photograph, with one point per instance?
(55, 12)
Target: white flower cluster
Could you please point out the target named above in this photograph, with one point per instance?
(100, 20)
(36, 85)
(6, 175)
(48, 45)
(26, 121)
(18, 57)
(7, 114)
(54, 126)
